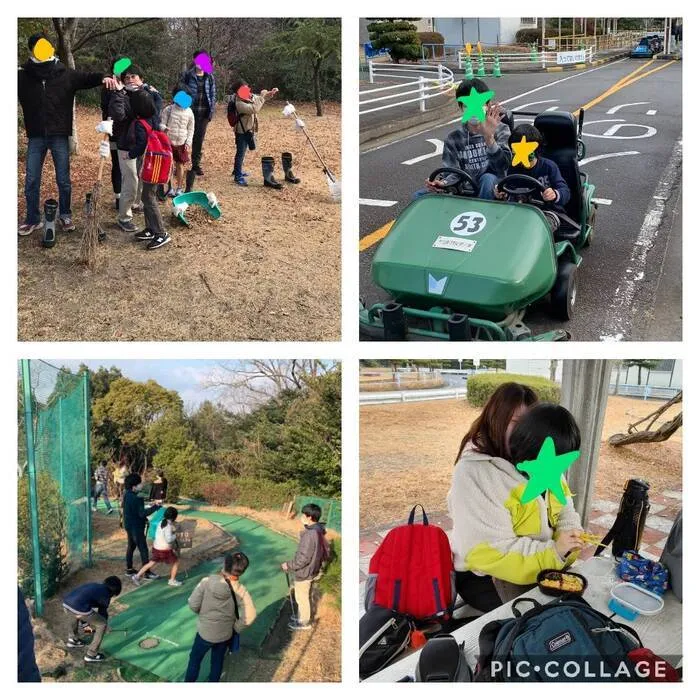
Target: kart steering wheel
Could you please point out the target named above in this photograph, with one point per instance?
(518, 185)
(454, 187)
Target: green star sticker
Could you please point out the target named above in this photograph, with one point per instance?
(545, 472)
(474, 104)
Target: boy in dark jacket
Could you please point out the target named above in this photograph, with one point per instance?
(136, 140)
(480, 148)
(46, 90)
(121, 111)
(88, 605)
(135, 521)
(201, 87)
(306, 564)
(544, 170)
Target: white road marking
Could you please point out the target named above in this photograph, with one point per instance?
(551, 109)
(529, 104)
(651, 112)
(600, 200)
(611, 133)
(438, 145)
(618, 319)
(615, 109)
(377, 202)
(608, 155)
(576, 74)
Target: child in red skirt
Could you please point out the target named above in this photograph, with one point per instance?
(164, 549)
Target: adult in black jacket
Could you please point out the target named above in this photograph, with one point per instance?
(46, 92)
(27, 671)
(135, 522)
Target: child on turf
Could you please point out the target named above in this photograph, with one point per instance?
(224, 609)
(88, 605)
(306, 565)
(178, 122)
(480, 148)
(247, 106)
(154, 233)
(543, 169)
(164, 549)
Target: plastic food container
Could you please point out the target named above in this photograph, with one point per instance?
(565, 580)
(635, 599)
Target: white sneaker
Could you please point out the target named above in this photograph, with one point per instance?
(171, 193)
(28, 229)
(135, 580)
(174, 582)
(179, 191)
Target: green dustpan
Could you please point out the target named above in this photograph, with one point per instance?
(206, 201)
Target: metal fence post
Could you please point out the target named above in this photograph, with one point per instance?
(459, 60)
(60, 442)
(440, 72)
(544, 58)
(421, 87)
(371, 71)
(33, 494)
(86, 404)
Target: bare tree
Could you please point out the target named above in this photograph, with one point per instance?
(70, 42)
(251, 382)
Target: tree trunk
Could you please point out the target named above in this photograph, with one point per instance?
(66, 30)
(552, 370)
(317, 88)
(617, 378)
(639, 375)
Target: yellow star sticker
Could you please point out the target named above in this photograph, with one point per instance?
(522, 151)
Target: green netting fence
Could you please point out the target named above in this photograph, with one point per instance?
(54, 515)
(330, 509)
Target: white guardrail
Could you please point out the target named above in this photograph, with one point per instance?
(374, 397)
(422, 83)
(399, 396)
(543, 58)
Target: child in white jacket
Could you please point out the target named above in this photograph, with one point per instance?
(164, 549)
(177, 120)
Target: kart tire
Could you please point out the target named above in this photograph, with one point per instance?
(563, 294)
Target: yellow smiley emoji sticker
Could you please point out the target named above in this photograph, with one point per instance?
(43, 50)
(522, 150)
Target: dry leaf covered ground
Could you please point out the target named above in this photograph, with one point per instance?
(268, 269)
(407, 451)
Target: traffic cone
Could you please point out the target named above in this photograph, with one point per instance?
(496, 73)
(480, 71)
(468, 70)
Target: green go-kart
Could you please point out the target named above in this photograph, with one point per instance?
(462, 268)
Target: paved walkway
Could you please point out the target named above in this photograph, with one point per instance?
(664, 508)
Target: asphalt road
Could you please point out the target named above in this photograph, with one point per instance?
(633, 159)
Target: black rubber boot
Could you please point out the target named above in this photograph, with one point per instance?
(268, 167)
(189, 180)
(50, 209)
(287, 167)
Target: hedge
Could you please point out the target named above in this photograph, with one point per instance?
(430, 38)
(481, 386)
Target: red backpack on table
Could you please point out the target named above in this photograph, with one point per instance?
(412, 572)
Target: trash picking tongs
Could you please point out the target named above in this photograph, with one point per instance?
(290, 111)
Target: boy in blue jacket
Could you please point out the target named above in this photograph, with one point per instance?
(543, 169)
(88, 605)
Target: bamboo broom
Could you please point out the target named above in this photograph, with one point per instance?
(88, 244)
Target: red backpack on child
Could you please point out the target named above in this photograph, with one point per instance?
(412, 572)
(158, 157)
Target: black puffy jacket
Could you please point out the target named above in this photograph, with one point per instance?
(46, 92)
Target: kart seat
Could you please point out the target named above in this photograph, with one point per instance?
(561, 145)
(508, 120)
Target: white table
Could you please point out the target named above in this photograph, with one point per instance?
(661, 633)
